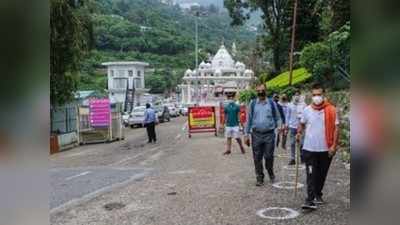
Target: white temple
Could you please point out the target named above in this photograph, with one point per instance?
(207, 83)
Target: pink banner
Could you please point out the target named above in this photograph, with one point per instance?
(100, 112)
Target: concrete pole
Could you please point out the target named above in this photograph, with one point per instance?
(292, 44)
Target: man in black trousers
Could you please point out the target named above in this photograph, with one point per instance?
(150, 119)
(320, 123)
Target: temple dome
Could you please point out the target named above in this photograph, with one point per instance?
(240, 65)
(248, 73)
(188, 72)
(202, 65)
(222, 59)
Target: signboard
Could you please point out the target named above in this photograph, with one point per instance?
(201, 119)
(99, 113)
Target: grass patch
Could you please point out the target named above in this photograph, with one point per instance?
(282, 80)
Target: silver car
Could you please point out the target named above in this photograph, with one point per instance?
(137, 117)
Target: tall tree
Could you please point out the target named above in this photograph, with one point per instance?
(277, 15)
(70, 32)
(274, 17)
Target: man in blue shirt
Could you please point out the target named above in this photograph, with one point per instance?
(150, 119)
(263, 119)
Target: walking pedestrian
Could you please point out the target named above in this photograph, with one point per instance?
(232, 120)
(275, 97)
(295, 110)
(284, 104)
(262, 120)
(150, 120)
(321, 125)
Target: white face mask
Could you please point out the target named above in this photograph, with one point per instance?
(317, 100)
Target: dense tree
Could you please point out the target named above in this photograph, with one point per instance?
(341, 10)
(278, 15)
(70, 32)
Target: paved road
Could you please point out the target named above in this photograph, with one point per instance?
(182, 181)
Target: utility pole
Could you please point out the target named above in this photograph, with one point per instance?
(292, 44)
(197, 39)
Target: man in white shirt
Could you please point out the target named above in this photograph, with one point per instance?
(321, 125)
(294, 112)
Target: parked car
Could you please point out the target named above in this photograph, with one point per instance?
(163, 113)
(136, 118)
(183, 109)
(173, 111)
(125, 119)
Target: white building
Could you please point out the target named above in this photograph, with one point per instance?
(207, 83)
(125, 78)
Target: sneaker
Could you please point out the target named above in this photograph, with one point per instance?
(319, 201)
(259, 183)
(309, 205)
(292, 162)
(227, 153)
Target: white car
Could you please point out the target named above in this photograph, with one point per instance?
(173, 111)
(137, 116)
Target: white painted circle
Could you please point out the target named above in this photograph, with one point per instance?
(283, 155)
(301, 167)
(287, 185)
(291, 214)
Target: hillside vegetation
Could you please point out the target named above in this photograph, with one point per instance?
(162, 35)
(282, 80)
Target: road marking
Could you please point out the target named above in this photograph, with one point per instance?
(291, 213)
(178, 136)
(94, 194)
(133, 157)
(152, 158)
(78, 175)
(182, 172)
(287, 185)
(301, 167)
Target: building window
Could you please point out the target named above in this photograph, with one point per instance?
(112, 73)
(139, 73)
(119, 83)
(130, 72)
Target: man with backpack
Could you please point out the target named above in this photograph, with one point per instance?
(262, 121)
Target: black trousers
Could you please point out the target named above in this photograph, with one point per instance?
(151, 131)
(317, 166)
(263, 145)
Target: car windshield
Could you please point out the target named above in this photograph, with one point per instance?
(141, 109)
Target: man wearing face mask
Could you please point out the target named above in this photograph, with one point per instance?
(321, 125)
(262, 120)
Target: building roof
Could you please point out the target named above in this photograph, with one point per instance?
(125, 63)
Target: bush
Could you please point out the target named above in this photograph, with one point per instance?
(245, 96)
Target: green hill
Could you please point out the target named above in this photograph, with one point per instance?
(282, 80)
(162, 35)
